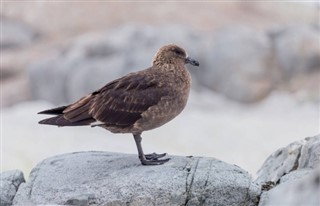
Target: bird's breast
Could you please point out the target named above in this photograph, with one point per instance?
(170, 105)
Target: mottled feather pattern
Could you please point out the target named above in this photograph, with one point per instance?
(126, 100)
(118, 104)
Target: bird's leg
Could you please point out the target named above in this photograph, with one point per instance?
(151, 159)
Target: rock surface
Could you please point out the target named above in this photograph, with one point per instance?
(291, 176)
(9, 184)
(301, 187)
(101, 178)
(310, 153)
(304, 154)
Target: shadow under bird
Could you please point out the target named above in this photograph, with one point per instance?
(134, 103)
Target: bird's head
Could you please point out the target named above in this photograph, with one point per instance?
(173, 54)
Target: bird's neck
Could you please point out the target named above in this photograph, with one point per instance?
(178, 72)
(168, 66)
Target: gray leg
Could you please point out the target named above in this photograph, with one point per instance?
(151, 159)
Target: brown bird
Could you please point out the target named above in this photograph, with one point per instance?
(135, 103)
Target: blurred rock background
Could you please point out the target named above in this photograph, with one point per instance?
(257, 88)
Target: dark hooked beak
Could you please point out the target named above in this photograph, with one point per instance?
(192, 62)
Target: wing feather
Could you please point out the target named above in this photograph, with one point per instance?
(118, 104)
(123, 102)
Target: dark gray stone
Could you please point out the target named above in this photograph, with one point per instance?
(101, 178)
(9, 184)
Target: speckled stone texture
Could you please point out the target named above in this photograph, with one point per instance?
(102, 178)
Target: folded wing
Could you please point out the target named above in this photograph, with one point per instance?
(118, 104)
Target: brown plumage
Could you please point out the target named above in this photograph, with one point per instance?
(135, 103)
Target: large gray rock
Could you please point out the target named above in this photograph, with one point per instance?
(291, 175)
(301, 187)
(302, 154)
(281, 162)
(239, 64)
(310, 153)
(92, 60)
(9, 184)
(101, 178)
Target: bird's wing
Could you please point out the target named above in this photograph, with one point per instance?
(72, 115)
(119, 103)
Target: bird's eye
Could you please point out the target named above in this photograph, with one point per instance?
(179, 52)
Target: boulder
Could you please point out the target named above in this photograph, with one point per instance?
(300, 187)
(304, 154)
(239, 64)
(310, 153)
(291, 175)
(281, 162)
(9, 184)
(102, 178)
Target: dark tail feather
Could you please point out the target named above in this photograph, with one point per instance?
(61, 121)
(54, 111)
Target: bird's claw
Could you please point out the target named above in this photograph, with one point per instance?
(154, 161)
(154, 156)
